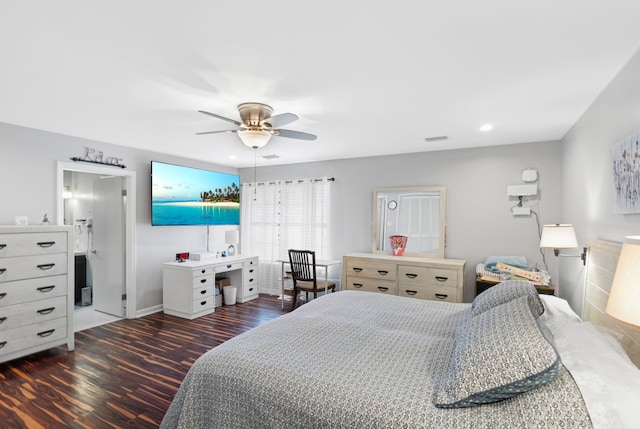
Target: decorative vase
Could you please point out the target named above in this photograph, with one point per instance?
(398, 244)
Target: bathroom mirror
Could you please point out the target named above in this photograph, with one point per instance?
(416, 212)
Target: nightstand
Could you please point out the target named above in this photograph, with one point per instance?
(483, 284)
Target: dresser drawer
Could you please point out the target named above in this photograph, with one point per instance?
(201, 281)
(434, 293)
(27, 267)
(25, 244)
(374, 270)
(371, 285)
(32, 312)
(20, 291)
(32, 335)
(439, 277)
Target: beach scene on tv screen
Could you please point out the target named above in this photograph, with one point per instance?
(190, 196)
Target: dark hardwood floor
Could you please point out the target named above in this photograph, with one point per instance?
(121, 375)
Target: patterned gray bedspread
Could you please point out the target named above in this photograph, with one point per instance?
(353, 360)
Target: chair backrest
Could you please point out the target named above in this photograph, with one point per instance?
(303, 266)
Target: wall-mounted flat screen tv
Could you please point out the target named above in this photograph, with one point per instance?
(190, 196)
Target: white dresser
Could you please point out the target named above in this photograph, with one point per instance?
(188, 287)
(36, 289)
(423, 278)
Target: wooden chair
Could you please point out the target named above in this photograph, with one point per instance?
(303, 274)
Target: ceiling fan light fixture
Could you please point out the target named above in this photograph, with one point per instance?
(254, 139)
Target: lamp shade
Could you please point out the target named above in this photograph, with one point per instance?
(624, 298)
(254, 138)
(558, 236)
(232, 236)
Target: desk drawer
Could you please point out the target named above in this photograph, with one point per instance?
(37, 243)
(202, 292)
(203, 271)
(202, 281)
(250, 290)
(371, 285)
(229, 267)
(204, 303)
(27, 267)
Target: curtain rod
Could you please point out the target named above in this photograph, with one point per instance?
(329, 179)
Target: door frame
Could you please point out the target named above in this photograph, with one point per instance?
(130, 218)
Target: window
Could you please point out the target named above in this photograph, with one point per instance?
(281, 215)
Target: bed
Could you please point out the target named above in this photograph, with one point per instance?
(358, 359)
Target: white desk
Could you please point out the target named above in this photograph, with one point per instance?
(319, 264)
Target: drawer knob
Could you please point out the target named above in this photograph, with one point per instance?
(442, 279)
(357, 270)
(2, 246)
(251, 270)
(46, 333)
(46, 310)
(383, 272)
(357, 285)
(203, 280)
(45, 289)
(383, 289)
(203, 271)
(203, 302)
(411, 292)
(250, 280)
(411, 276)
(202, 292)
(250, 289)
(2, 319)
(2, 344)
(46, 266)
(441, 296)
(2, 270)
(3, 294)
(229, 266)
(46, 243)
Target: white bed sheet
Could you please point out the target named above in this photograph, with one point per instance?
(608, 380)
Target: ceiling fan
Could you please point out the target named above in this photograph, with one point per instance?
(256, 125)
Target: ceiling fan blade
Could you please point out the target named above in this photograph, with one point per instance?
(233, 121)
(290, 134)
(281, 119)
(219, 131)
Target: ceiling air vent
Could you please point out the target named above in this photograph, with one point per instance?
(435, 139)
(273, 156)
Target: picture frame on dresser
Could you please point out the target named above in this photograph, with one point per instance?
(36, 289)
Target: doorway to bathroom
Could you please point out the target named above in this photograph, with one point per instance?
(99, 203)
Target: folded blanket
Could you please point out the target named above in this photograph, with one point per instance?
(515, 261)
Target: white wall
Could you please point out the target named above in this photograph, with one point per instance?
(587, 182)
(478, 216)
(28, 162)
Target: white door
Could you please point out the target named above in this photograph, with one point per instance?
(108, 253)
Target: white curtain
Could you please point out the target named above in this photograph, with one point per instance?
(281, 215)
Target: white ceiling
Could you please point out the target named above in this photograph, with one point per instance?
(368, 77)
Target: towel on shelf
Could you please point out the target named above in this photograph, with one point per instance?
(515, 261)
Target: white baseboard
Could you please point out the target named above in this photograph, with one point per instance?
(149, 310)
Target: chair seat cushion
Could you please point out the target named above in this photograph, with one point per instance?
(321, 285)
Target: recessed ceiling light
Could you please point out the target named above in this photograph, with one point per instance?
(486, 127)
